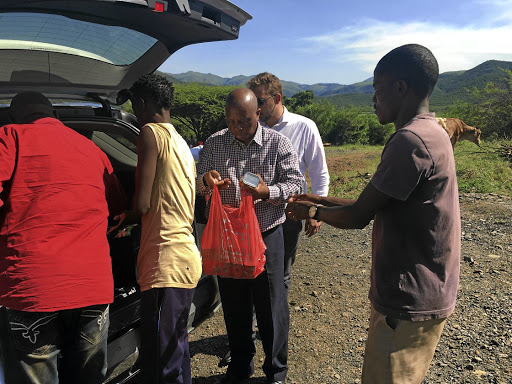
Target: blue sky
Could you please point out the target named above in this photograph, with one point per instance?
(340, 41)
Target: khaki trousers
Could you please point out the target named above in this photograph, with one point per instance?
(399, 351)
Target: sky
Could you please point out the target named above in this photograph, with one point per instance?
(341, 41)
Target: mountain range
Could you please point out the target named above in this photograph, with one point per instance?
(290, 88)
(451, 86)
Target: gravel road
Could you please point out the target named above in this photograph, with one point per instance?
(329, 308)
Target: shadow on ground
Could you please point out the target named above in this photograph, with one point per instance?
(213, 346)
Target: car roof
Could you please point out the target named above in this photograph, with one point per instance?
(85, 49)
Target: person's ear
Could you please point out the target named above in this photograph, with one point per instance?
(258, 112)
(278, 98)
(401, 87)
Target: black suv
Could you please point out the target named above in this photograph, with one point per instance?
(79, 54)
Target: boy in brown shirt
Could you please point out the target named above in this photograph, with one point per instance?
(413, 199)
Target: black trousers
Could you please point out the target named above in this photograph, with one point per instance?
(165, 356)
(267, 294)
(291, 233)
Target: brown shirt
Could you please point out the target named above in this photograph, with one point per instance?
(416, 237)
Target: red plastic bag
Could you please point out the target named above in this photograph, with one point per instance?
(231, 245)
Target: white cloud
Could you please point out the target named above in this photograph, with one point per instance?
(455, 47)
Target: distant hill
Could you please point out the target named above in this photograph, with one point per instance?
(451, 86)
(198, 77)
(290, 88)
(168, 76)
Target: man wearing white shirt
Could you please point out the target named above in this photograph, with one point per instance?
(305, 138)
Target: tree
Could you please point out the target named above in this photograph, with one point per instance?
(490, 109)
(322, 115)
(300, 99)
(378, 134)
(199, 109)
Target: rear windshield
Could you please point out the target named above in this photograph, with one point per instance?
(55, 33)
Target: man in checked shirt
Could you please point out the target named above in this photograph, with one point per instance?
(245, 146)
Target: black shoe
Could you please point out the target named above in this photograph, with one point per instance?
(276, 382)
(232, 379)
(225, 360)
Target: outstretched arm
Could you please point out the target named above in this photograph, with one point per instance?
(342, 213)
(328, 201)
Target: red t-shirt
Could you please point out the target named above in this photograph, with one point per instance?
(56, 190)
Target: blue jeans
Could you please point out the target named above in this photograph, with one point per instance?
(68, 346)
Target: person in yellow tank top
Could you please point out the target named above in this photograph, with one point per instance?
(168, 263)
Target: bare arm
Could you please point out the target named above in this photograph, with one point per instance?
(147, 152)
(312, 226)
(352, 215)
(327, 201)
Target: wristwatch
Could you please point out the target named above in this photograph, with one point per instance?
(313, 211)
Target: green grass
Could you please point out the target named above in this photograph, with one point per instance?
(350, 168)
(482, 170)
(479, 170)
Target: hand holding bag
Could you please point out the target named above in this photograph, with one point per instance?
(232, 245)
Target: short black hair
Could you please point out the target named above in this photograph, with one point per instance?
(155, 87)
(413, 63)
(30, 106)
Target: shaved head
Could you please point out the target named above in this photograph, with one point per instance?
(242, 114)
(242, 97)
(30, 106)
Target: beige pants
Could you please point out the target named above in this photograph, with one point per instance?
(399, 351)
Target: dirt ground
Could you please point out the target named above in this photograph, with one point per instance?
(329, 309)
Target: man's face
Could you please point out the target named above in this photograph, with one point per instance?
(386, 98)
(266, 103)
(242, 122)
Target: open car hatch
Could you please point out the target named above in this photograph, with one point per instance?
(74, 49)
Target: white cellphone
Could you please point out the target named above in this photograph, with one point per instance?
(250, 179)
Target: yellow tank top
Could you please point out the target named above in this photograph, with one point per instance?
(168, 256)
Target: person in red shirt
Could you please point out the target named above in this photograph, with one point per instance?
(57, 189)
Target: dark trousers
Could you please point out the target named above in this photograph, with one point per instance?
(267, 295)
(164, 352)
(32, 342)
(291, 233)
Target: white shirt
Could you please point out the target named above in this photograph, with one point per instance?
(305, 138)
(195, 152)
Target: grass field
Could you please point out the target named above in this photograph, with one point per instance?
(479, 170)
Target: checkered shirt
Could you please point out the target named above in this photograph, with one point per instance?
(269, 154)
